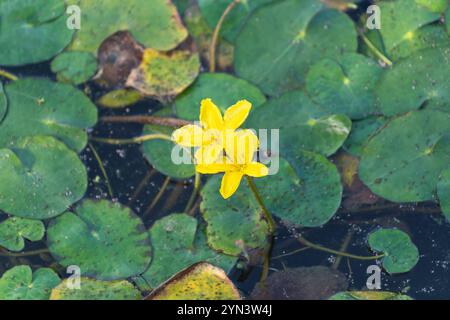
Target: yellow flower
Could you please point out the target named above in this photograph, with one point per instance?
(237, 163)
(211, 135)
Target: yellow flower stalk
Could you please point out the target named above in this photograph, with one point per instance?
(211, 135)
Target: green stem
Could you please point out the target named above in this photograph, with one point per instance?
(375, 50)
(168, 122)
(266, 212)
(158, 196)
(197, 181)
(140, 139)
(311, 245)
(8, 75)
(102, 169)
(5, 253)
(215, 36)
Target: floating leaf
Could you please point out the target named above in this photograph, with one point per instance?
(212, 10)
(20, 283)
(345, 85)
(400, 254)
(74, 67)
(302, 124)
(224, 89)
(281, 40)
(92, 289)
(429, 36)
(42, 107)
(154, 23)
(164, 74)
(179, 235)
(14, 231)
(394, 29)
(119, 98)
(3, 103)
(306, 191)
(443, 192)
(32, 30)
(434, 5)
(40, 177)
(402, 163)
(202, 281)
(105, 240)
(369, 295)
(235, 224)
(418, 80)
(362, 132)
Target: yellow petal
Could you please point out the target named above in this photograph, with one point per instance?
(210, 168)
(188, 136)
(208, 154)
(256, 169)
(241, 145)
(235, 115)
(210, 115)
(230, 183)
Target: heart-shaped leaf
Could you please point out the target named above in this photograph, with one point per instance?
(179, 235)
(32, 30)
(42, 107)
(402, 163)
(74, 67)
(202, 281)
(105, 240)
(362, 132)
(20, 283)
(281, 40)
(40, 177)
(119, 98)
(400, 254)
(14, 231)
(93, 289)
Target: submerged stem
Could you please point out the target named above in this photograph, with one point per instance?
(5, 253)
(8, 75)
(157, 197)
(102, 169)
(162, 121)
(197, 181)
(311, 245)
(215, 37)
(140, 139)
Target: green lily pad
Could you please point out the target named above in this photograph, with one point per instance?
(202, 281)
(119, 98)
(369, 295)
(3, 103)
(20, 283)
(212, 10)
(179, 235)
(74, 67)
(105, 240)
(400, 254)
(434, 5)
(40, 177)
(302, 124)
(224, 89)
(15, 230)
(93, 289)
(281, 40)
(153, 23)
(164, 75)
(233, 225)
(306, 191)
(32, 31)
(403, 161)
(418, 80)
(443, 192)
(42, 107)
(413, 16)
(159, 154)
(362, 131)
(429, 36)
(345, 85)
